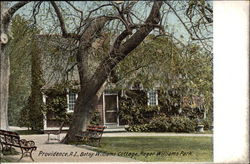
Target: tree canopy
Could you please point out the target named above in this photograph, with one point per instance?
(141, 37)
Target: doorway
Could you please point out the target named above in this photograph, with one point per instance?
(111, 109)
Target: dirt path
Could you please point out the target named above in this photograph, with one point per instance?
(56, 152)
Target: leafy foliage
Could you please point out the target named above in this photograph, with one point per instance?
(181, 124)
(166, 124)
(56, 104)
(182, 75)
(36, 115)
(134, 109)
(23, 120)
(32, 112)
(96, 118)
(159, 124)
(164, 117)
(19, 49)
(162, 63)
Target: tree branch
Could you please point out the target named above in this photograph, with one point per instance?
(105, 67)
(62, 24)
(152, 20)
(36, 10)
(10, 12)
(97, 9)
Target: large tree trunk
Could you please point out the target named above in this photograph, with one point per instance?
(4, 88)
(92, 87)
(4, 77)
(6, 15)
(82, 114)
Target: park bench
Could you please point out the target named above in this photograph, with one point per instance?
(10, 139)
(92, 134)
(56, 133)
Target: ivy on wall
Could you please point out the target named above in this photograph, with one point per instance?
(169, 115)
(56, 104)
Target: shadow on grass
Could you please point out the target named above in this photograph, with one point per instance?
(8, 152)
(3, 159)
(28, 132)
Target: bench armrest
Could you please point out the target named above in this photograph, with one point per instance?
(27, 144)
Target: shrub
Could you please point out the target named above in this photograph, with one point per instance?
(132, 113)
(181, 124)
(163, 123)
(159, 124)
(133, 109)
(96, 118)
(207, 124)
(138, 128)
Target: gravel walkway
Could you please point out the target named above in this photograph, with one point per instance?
(56, 152)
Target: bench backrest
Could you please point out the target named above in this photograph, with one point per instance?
(9, 138)
(96, 128)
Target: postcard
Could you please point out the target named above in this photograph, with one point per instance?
(124, 81)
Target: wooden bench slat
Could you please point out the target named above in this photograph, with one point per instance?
(92, 132)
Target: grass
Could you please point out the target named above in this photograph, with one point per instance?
(7, 152)
(2, 159)
(159, 149)
(205, 132)
(28, 132)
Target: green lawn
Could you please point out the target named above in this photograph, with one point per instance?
(2, 159)
(150, 149)
(28, 132)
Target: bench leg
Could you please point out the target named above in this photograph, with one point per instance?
(31, 155)
(6, 148)
(27, 153)
(2, 147)
(22, 155)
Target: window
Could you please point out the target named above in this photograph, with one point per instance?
(152, 98)
(71, 101)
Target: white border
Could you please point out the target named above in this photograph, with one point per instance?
(231, 75)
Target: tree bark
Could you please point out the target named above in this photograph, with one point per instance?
(82, 114)
(85, 103)
(92, 87)
(4, 88)
(4, 77)
(6, 16)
